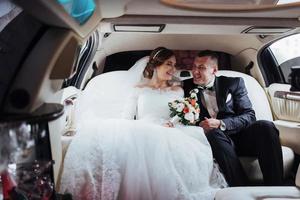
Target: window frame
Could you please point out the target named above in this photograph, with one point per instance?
(268, 65)
(84, 61)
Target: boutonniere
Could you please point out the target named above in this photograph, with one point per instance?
(193, 93)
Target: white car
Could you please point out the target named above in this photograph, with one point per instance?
(48, 54)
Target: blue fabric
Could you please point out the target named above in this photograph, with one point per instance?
(80, 10)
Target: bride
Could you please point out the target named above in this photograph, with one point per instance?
(147, 158)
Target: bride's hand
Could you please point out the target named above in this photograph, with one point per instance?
(168, 124)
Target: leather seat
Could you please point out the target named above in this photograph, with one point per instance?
(256, 94)
(262, 109)
(253, 193)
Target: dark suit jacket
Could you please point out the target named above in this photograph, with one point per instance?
(237, 113)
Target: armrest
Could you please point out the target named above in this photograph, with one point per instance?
(289, 134)
(287, 95)
(285, 104)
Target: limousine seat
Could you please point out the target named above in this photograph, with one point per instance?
(253, 193)
(120, 83)
(262, 109)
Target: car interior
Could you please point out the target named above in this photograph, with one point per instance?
(49, 56)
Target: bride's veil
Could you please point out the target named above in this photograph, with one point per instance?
(136, 71)
(105, 95)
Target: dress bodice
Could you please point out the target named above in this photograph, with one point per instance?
(153, 103)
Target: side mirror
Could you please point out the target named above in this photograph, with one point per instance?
(295, 78)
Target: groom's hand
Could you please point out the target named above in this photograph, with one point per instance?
(209, 124)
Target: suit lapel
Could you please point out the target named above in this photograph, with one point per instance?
(220, 94)
(188, 86)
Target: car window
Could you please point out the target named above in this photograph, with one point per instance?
(286, 52)
(286, 48)
(286, 1)
(277, 59)
(83, 61)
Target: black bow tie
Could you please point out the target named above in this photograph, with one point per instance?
(205, 88)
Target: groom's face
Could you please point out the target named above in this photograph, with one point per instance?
(204, 69)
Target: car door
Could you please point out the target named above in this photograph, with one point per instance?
(278, 60)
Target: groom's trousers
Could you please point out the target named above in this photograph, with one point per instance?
(261, 140)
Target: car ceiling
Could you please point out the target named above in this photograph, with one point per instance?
(52, 13)
(155, 7)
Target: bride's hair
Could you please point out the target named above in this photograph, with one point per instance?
(157, 57)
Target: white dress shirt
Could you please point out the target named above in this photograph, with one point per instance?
(209, 99)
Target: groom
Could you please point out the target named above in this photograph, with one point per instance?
(230, 124)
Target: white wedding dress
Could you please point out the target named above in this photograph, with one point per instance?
(141, 159)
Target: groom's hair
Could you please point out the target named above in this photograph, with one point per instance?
(212, 54)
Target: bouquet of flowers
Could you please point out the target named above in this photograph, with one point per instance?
(185, 111)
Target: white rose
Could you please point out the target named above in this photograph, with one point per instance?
(196, 116)
(179, 107)
(189, 116)
(193, 95)
(194, 91)
(191, 108)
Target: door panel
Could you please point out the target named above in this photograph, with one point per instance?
(285, 104)
(286, 109)
(61, 126)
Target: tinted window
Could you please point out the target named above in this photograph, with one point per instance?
(84, 59)
(278, 59)
(287, 54)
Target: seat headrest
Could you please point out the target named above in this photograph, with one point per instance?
(256, 94)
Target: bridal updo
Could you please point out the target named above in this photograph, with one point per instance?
(157, 57)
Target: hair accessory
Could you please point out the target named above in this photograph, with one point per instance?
(157, 53)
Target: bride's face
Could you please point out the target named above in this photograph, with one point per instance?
(166, 71)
